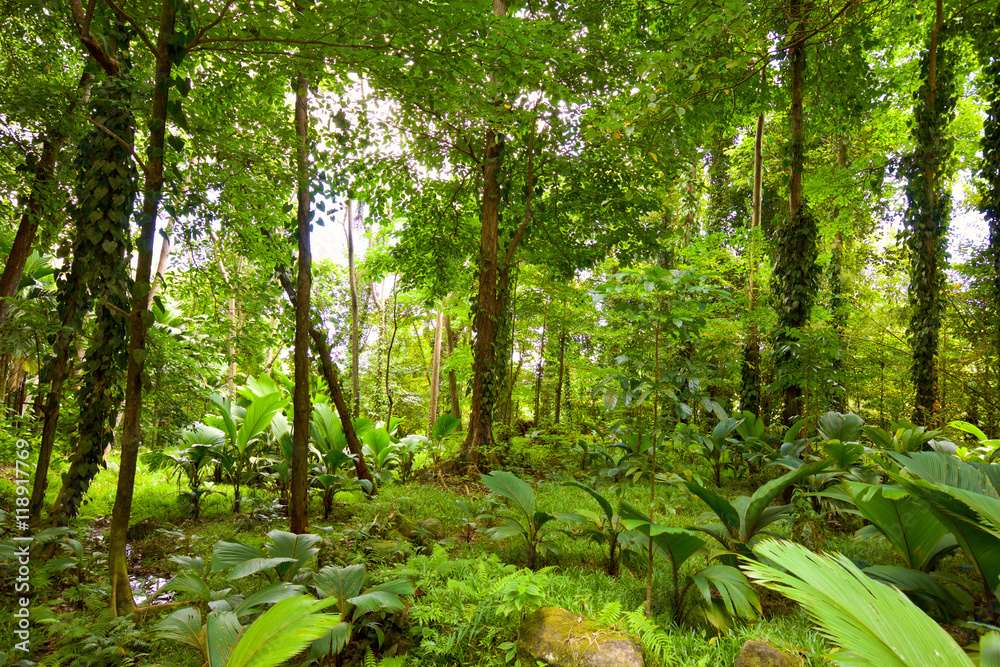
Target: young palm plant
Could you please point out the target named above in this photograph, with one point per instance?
(743, 521)
(604, 528)
(677, 545)
(534, 531)
(243, 438)
(203, 444)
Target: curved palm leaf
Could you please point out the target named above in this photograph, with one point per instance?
(512, 488)
(282, 631)
(874, 624)
(919, 539)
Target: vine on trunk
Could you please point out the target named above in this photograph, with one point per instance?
(105, 194)
(927, 212)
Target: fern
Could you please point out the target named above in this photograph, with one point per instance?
(609, 614)
(655, 641)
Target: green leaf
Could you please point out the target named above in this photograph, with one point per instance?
(276, 592)
(875, 625)
(762, 497)
(282, 631)
(222, 631)
(340, 583)
(841, 427)
(722, 508)
(605, 505)
(184, 625)
(916, 536)
(510, 487)
(674, 544)
(258, 417)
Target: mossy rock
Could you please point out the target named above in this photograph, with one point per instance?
(433, 527)
(758, 654)
(559, 637)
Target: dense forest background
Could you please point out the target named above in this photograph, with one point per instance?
(485, 228)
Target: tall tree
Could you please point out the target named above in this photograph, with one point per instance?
(927, 211)
(990, 173)
(795, 262)
(165, 53)
(299, 515)
(105, 194)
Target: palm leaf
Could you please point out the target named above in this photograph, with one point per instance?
(282, 631)
(915, 536)
(340, 583)
(605, 505)
(723, 509)
(735, 590)
(875, 625)
(226, 410)
(184, 625)
(976, 539)
(750, 521)
(276, 592)
(942, 469)
(674, 544)
(223, 630)
(841, 427)
(510, 487)
(258, 416)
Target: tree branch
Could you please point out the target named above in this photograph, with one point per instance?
(132, 22)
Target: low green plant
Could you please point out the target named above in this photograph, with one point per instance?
(202, 448)
(735, 597)
(285, 555)
(278, 634)
(342, 586)
(533, 527)
(985, 451)
(243, 438)
(715, 446)
(603, 528)
(743, 520)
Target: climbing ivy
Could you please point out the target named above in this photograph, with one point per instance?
(105, 193)
(990, 170)
(793, 291)
(927, 212)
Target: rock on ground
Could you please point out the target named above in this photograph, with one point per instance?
(564, 639)
(757, 654)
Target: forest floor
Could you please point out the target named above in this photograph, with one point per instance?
(70, 602)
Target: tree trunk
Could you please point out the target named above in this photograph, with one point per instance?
(121, 591)
(105, 193)
(55, 373)
(436, 369)
(990, 207)
(489, 307)
(540, 371)
(302, 408)
(559, 380)
(20, 250)
(795, 261)
(927, 219)
(332, 377)
(355, 351)
(456, 404)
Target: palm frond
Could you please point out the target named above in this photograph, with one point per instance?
(874, 624)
